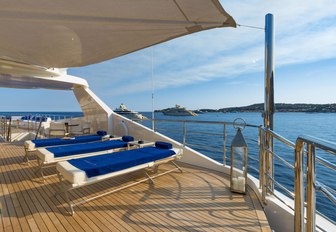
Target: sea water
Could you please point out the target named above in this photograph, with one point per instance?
(289, 125)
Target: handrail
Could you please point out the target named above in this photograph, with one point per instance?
(32, 123)
(312, 185)
(327, 191)
(318, 143)
(267, 180)
(184, 131)
(6, 122)
(206, 122)
(312, 143)
(325, 162)
(280, 138)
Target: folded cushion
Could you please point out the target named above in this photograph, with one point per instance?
(163, 145)
(127, 138)
(101, 132)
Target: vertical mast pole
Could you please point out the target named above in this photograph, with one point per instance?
(269, 95)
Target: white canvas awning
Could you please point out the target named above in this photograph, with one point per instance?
(70, 33)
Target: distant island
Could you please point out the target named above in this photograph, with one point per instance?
(279, 107)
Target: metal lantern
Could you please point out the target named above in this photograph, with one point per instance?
(239, 154)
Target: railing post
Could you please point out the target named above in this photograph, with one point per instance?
(262, 174)
(268, 162)
(311, 195)
(261, 149)
(184, 133)
(9, 131)
(260, 156)
(28, 124)
(5, 128)
(298, 188)
(224, 145)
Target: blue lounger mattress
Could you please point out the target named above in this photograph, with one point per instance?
(90, 169)
(53, 154)
(32, 144)
(103, 164)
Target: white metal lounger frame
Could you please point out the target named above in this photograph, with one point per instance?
(42, 164)
(28, 151)
(30, 148)
(65, 187)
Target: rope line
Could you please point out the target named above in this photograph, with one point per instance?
(254, 27)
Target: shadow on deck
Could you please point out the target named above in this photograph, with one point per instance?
(195, 200)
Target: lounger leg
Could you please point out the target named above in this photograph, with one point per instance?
(40, 169)
(150, 179)
(178, 167)
(72, 212)
(26, 158)
(60, 190)
(155, 169)
(63, 189)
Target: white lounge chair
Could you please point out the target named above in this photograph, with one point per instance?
(31, 145)
(51, 155)
(85, 171)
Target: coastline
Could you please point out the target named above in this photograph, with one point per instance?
(280, 107)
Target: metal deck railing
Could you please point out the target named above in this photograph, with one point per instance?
(262, 157)
(26, 123)
(312, 185)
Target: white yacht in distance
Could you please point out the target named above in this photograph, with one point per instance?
(122, 110)
(178, 111)
(40, 39)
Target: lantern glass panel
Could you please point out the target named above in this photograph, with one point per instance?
(238, 169)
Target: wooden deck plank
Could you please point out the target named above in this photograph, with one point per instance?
(14, 211)
(102, 202)
(102, 205)
(118, 198)
(5, 221)
(127, 206)
(80, 223)
(150, 189)
(187, 205)
(36, 185)
(195, 200)
(34, 221)
(44, 219)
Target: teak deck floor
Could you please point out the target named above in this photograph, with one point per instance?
(195, 200)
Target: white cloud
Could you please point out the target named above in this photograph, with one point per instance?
(305, 32)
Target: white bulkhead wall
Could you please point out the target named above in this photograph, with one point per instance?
(95, 111)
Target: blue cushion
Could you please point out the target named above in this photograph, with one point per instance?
(75, 149)
(60, 141)
(108, 163)
(101, 132)
(163, 145)
(127, 138)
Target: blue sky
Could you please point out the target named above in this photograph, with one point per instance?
(216, 68)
